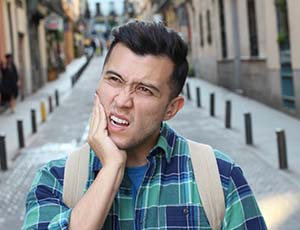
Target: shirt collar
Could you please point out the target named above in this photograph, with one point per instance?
(166, 142)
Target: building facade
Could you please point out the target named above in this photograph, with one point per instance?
(72, 12)
(36, 13)
(249, 46)
(2, 37)
(15, 40)
(40, 35)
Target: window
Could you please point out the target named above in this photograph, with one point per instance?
(253, 38)
(209, 39)
(283, 39)
(201, 30)
(223, 29)
(282, 24)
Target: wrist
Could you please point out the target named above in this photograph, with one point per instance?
(114, 166)
(113, 173)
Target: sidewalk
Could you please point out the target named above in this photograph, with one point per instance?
(64, 130)
(277, 191)
(8, 121)
(265, 121)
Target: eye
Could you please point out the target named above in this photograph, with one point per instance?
(113, 80)
(144, 90)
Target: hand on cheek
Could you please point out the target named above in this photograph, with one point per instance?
(98, 138)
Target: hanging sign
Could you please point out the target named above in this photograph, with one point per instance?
(54, 22)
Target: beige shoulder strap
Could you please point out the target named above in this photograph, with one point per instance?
(208, 182)
(205, 169)
(76, 175)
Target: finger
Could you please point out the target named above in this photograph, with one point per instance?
(92, 128)
(97, 115)
(103, 121)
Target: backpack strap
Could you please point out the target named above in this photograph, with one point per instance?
(76, 175)
(208, 182)
(211, 194)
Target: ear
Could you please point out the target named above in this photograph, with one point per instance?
(174, 106)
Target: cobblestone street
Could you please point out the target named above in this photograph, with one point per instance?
(62, 132)
(278, 191)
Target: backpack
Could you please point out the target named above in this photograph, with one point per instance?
(206, 175)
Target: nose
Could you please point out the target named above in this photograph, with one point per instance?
(124, 98)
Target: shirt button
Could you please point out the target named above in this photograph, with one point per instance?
(186, 211)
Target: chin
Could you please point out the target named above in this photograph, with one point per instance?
(122, 145)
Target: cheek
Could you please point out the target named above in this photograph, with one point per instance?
(103, 99)
(151, 113)
(104, 94)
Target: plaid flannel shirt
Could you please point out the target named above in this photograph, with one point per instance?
(167, 199)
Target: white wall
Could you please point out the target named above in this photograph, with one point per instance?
(272, 50)
(294, 12)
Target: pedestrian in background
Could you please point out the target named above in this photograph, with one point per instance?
(10, 82)
(1, 67)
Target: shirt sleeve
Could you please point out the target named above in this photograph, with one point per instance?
(44, 206)
(242, 211)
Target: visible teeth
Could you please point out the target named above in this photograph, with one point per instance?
(118, 120)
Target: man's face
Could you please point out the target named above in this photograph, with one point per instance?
(135, 93)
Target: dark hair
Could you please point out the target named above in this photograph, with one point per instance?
(153, 38)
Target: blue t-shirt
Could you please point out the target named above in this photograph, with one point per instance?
(136, 175)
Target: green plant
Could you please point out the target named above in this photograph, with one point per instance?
(281, 37)
(191, 72)
(280, 3)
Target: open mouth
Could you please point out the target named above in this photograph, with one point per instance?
(118, 121)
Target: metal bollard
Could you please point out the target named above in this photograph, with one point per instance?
(72, 81)
(188, 91)
(43, 111)
(56, 97)
(282, 153)
(3, 160)
(248, 129)
(50, 104)
(20, 134)
(198, 97)
(228, 114)
(212, 104)
(33, 121)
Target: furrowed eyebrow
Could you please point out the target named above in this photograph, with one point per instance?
(114, 73)
(148, 85)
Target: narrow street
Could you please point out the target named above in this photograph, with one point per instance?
(243, 58)
(62, 132)
(277, 191)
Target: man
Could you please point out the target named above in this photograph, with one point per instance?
(140, 174)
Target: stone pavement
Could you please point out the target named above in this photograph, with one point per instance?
(278, 191)
(265, 121)
(8, 121)
(62, 132)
